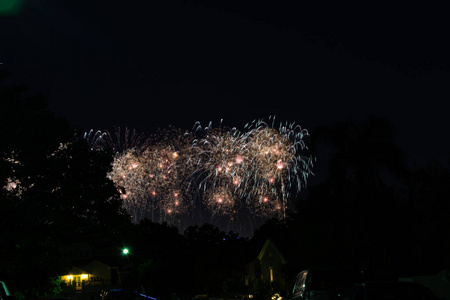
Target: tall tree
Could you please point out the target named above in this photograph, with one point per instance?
(53, 188)
(354, 211)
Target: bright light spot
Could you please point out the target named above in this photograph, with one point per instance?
(125, 251)
(84, 276)
(239, 159)
(280, 164)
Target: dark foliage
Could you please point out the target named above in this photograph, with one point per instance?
(54, 189)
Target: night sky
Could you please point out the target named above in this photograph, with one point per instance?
(149, 64)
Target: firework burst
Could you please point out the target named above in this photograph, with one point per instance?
(257, 168)
(230, 171)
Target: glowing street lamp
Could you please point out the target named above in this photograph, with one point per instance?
(125, 251)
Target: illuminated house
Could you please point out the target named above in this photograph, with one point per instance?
(88, 273)
(91, 276)
(76, 278)
(267, 267)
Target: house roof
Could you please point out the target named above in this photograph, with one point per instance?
(270, 244)
(76, 270)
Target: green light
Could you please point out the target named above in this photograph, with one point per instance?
(10, 7)
(125, 251)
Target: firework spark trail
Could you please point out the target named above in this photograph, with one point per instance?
(95, 139)
(231, 171)
(257, 167)
(276, 159)
(163, 181)
(129, 176)
(128, 167)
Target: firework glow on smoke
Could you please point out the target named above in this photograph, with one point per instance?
(224, 170)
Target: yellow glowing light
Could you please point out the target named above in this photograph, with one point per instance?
(84, 276)
(175, 155)
(70, 277)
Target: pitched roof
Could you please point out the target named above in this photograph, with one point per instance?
(267, 244)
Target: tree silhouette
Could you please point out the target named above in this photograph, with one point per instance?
(425, 241)
(53, 189)
(355, 210)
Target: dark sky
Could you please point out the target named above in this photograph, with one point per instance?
(146, 64)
